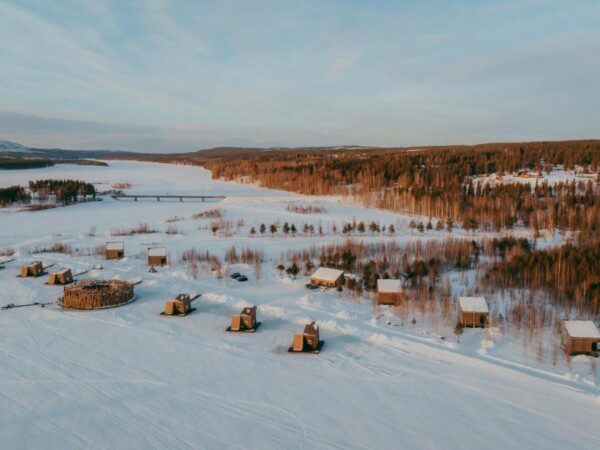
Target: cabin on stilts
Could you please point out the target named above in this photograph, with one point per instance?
(115, 250)
(157, 256)
(389, 292)
(580, 337)
(473, 312)
(33, 269)
(246, 321)
(325, 276)
(62, 277)
(308, 341)
(181, 306)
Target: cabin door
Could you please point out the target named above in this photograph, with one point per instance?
(482, 320)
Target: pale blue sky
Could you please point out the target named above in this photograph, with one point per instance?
(172, 76)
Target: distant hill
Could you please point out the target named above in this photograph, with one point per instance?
(14, 150)
(8, 146)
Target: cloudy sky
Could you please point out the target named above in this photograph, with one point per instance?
(176, 76)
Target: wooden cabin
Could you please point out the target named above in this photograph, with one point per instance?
(246, 321)
(34, 269)
(579, 337)
(308, 340)
(473, 311)
(389, 292)
(181, 306)
(62, 277)
(325, 276)
(115, 250)
(157, 256)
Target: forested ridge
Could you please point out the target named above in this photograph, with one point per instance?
(439, 182)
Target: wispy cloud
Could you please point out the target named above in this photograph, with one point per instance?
(179, 75)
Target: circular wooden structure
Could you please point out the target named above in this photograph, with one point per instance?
(97, 294)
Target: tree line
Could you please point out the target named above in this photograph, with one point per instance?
(65, 191)
(13, 194)
(439, 182)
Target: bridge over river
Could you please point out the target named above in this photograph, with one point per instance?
(159, 197)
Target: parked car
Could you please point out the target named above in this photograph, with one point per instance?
(236, 275)
(242, 278)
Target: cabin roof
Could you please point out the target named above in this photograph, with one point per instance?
(581, 329)
(114, 246)
(157, 251)
(64, 270)
(389, 286)
(473, 304)
(327, 274)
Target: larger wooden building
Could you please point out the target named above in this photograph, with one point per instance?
(473, 311)
(115, 250)
(389, 292)
(580, 337)
(325, 276)
(157, 256)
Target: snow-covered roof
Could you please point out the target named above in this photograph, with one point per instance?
(327, 274)
(63, 270)
(473, 304)
(114, 246)
(157, 251)
(389, 286)
(582, 329)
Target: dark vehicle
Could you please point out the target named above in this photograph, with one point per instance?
(311, 286)
(242, 278)
(236, 275)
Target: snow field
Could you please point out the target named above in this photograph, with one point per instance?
(130, 378)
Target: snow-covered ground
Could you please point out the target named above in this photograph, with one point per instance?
(130, 378)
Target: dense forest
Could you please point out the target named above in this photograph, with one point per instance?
(569, 273)
(440, 182)
(15, 164)
(13, 194)
(65, 190)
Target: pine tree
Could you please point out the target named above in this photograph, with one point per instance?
(373, 227)
(361, 227)
(293, 270)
